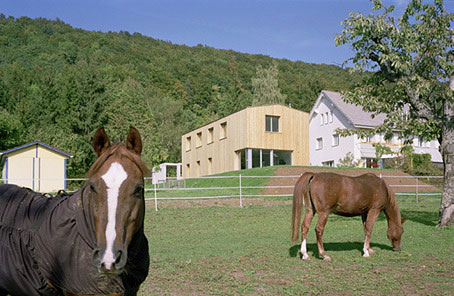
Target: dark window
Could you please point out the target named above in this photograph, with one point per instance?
(272, 123)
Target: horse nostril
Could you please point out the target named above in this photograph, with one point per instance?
(118, 256)
(96, 255)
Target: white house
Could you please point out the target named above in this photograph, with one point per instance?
(331, 112)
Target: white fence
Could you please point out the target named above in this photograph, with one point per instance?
(415, 187)
(240, 186)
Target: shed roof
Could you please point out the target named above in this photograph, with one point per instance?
(35, 143)
(354, 113)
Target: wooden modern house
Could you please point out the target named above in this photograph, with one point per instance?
(253, 137)
(35, 165)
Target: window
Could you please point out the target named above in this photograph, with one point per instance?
(331, 116)
(421, 143)
(210, 165)
(321, 119)
(254, 158)
(199, 140)
(319, 144)
(188, 143)
(326, 118)
(188, 170)
(272, 123)
(197, 168)
(210, 136)
(223, 131)
(329, 163)
(336, 140)
(369, 139)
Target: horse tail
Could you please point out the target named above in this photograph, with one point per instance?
(300, 190)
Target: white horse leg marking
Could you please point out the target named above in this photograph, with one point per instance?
(113, 178)
(365, 250)
(304, 250)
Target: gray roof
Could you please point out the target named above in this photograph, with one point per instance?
(354, 113)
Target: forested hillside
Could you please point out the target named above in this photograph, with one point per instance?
(58, 84)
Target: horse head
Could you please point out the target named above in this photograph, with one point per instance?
(116, 189)
(394, 233)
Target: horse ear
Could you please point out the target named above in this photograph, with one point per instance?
(101, 141)
(134, 142)
(403, 220)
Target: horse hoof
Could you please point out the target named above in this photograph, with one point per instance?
(366, 255)
(327, 258)
(305, 257)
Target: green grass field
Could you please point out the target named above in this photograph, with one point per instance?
(227, 250)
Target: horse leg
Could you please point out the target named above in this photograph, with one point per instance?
(368, 225)
(304, 230)
(321, 222)
(364, 219)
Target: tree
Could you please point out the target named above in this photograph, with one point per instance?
(411, 58)
(381, 150)
(11, 130)
(348, 161)
(265, 87)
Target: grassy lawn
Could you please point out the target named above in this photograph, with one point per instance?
(227, 250)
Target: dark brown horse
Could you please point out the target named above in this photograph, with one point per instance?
(365, 196)
(89, 243)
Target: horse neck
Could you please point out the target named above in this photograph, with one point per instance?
(392, 211)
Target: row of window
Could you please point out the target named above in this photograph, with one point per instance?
(271, 125)
(210, 136)
(197, 167)
(419, 142)
(334, 142)
(326, 118)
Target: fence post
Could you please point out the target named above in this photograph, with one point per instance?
(241, 194)
(417, 190)
(155, 199)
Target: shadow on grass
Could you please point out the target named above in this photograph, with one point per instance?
(335, 247)
(421, 217)
(426, 218)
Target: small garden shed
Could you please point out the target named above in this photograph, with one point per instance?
(35, 165)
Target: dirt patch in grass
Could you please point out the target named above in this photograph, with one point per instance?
(392, 177)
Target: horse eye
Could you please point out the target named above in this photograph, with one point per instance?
(139, 191)
(92, 187)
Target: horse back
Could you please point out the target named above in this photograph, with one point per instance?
(348, 196)
(21, 208)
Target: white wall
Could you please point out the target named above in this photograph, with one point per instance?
(329, 152)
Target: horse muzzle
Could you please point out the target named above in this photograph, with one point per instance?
(109, 262)
(397, 249)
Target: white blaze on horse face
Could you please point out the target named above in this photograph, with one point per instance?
(113, 178)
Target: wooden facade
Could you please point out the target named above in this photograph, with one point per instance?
(253, 137)
(36, 166)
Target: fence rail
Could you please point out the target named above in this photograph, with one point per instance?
(240, 186)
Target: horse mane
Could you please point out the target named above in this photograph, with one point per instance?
(392, 208)
(119, 150)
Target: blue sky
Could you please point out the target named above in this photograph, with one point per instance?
(298, 30)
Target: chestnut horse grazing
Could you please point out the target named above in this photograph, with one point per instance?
(365, 196)
(91, 242)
